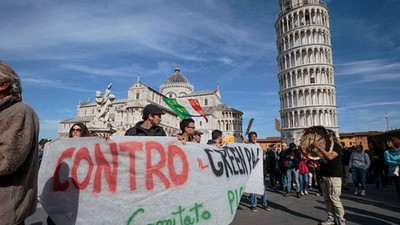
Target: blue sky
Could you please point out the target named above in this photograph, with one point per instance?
(66, 50)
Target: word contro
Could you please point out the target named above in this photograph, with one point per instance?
(233, 161)
(167, 158)
(194, 215)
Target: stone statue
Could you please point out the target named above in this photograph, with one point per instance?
(104, 104)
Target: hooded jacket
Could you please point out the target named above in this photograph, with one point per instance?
(19, 130)
(359, 160)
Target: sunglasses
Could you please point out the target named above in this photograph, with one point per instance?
(76, 130)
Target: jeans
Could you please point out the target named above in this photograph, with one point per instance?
(303, 182)
(253, 198)
(284, 180)
(289, 173)
(359, 178)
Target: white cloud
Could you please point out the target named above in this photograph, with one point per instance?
(226, 60)
(370, 105)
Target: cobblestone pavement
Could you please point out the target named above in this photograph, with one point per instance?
(379, 207)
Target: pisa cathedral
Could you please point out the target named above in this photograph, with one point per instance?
(125, 113)
(307, 88)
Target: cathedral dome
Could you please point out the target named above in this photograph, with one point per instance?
(176, 77)
(176, 85)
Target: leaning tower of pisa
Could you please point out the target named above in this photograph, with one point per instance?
(307, 89)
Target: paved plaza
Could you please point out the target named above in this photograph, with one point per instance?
(379, 207)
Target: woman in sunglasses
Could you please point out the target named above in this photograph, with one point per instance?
(78, 130)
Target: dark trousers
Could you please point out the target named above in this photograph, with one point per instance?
(273, 176)
(379, 177)
(396, 181)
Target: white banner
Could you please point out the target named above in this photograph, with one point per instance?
(145, 180)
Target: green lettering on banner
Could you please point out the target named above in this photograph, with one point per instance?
(141, 210)
(194, 215)
(234, 198)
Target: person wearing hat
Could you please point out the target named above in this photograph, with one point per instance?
(197, 136)
(150, 124)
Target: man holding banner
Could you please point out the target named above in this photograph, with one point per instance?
(188, 129)
(253, 197)
(150, 124)
(216, 138)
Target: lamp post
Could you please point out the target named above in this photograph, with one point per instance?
(387, 121)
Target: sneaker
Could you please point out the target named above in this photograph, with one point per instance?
(328, 222)
(356, 192)
(362, 193)
(302, 193)
(298, 195)
(318, 194)
(266, 207)
(305, 192)
(253, 209)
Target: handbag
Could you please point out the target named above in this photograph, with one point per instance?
(287, 163)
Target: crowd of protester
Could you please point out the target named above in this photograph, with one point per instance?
(289, 170)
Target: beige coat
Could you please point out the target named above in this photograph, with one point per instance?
(19, 130)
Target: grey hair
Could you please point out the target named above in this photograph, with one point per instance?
(9, 75)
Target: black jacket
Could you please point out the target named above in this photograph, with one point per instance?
(138, 130)
(297, 157)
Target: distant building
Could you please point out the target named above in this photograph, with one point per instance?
(346, 139)
(266, 142)
(356, 138)
(125, 113)
(305, 68)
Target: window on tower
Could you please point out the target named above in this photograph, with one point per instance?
(312, 80)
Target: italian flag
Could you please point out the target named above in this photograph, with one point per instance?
(186, 108)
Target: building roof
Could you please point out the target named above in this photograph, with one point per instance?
(269, 139)
(357, 134)
(78, 119)
(176, 77)
(211, 110)
(200, 93)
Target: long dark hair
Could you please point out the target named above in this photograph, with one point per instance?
(85, 131)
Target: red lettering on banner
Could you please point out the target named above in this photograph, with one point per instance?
(177, 179)
(201, 166)
(109, 173)
(155, 169)
(160, 161)
(57, 185)
(82, 154)
(131, 147)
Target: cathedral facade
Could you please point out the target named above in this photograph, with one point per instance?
(306, 73)
(125, 113)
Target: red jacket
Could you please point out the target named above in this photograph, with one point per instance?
(303, 164)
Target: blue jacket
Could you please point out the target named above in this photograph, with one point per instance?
(392, 158)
